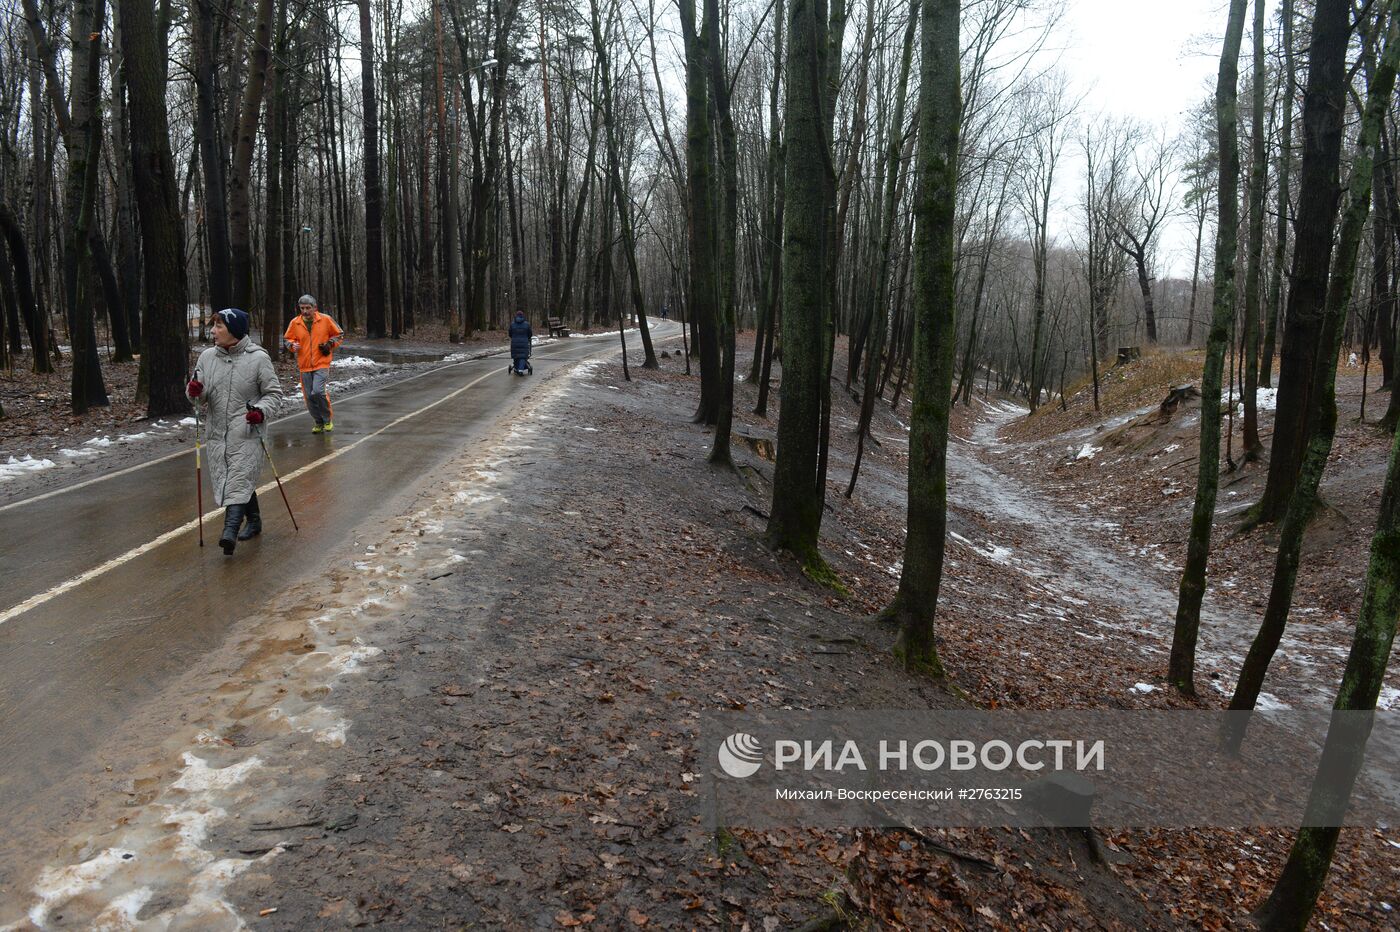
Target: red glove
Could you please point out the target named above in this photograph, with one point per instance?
(195, 388)
(254, 416)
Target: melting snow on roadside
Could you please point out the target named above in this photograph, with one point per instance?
(1265, 399)
(18, 467)
(354, 362)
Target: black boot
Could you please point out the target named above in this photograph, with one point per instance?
(233, 517)
(254, 518)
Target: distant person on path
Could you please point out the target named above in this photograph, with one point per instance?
(664, 311)
(520, 336)
(230, 376)
(313, 336)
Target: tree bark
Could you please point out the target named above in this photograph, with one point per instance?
(795, 518)
(1324, 106)
(728, 235)
(1290, 904)
(84, 145)
(1181, 667)
(1252, 447)
(1285, 163)
(935, 338)
(374, 225)
(24, 287)
(620, 196)
(165, 352)
(211, 158)
(888, 220)
(1324, 414)
(241, 169)
(699, 167)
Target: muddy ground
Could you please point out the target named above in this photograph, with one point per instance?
(488, 715)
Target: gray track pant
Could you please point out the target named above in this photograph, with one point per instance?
(313, 388)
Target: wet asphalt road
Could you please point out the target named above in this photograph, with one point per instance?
(75, 665)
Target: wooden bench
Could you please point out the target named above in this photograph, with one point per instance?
(556, 327)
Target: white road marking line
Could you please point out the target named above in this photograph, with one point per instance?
(36, 600)
(170, 456)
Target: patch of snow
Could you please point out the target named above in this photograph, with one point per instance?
(354, 362)
(62, 884)
(123, 911)
(1388, 699)
(127, 438)
(198, 776)
(18, 467)
(1087, 451)
(1172, 448)
(99, 442)
(1142, 688)
(998, 554)
(1265, 399)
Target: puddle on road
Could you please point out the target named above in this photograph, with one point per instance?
(395, 357)
(225, 794)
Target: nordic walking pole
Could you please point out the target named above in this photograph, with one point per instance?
(198, 467)
(262, 441)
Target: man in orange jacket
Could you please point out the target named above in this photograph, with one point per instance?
(313, 336)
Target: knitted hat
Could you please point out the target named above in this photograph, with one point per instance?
(235, 320)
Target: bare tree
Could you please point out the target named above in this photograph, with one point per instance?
(1145, 207)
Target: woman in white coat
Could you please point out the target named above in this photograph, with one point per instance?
(236, 384)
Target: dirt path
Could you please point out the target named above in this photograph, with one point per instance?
(1082, 558)
(487, 713)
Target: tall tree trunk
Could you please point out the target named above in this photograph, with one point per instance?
(888, 221)
(1324, 106)
(36, 321)
(935, 338)
(374, 227)
(728, 235)
(344, 228)
(212, 158)
(1294, 896)
(620, 196)
(770, 232)
(1195, 279)
(165, 351)
(84, 146)
(699, 169)
(127, 336)
(393, 158)
(241, 170)
(1181, 669)
(1254, 273)
(273, 300)
(1285, 163)
(795, 519)
(566, 285)
(1324, 414)
(24, 287)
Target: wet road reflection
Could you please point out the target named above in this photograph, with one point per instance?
(72, 667)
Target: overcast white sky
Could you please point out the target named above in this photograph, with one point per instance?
(1151, 59)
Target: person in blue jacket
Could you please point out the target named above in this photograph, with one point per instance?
(520, 335)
